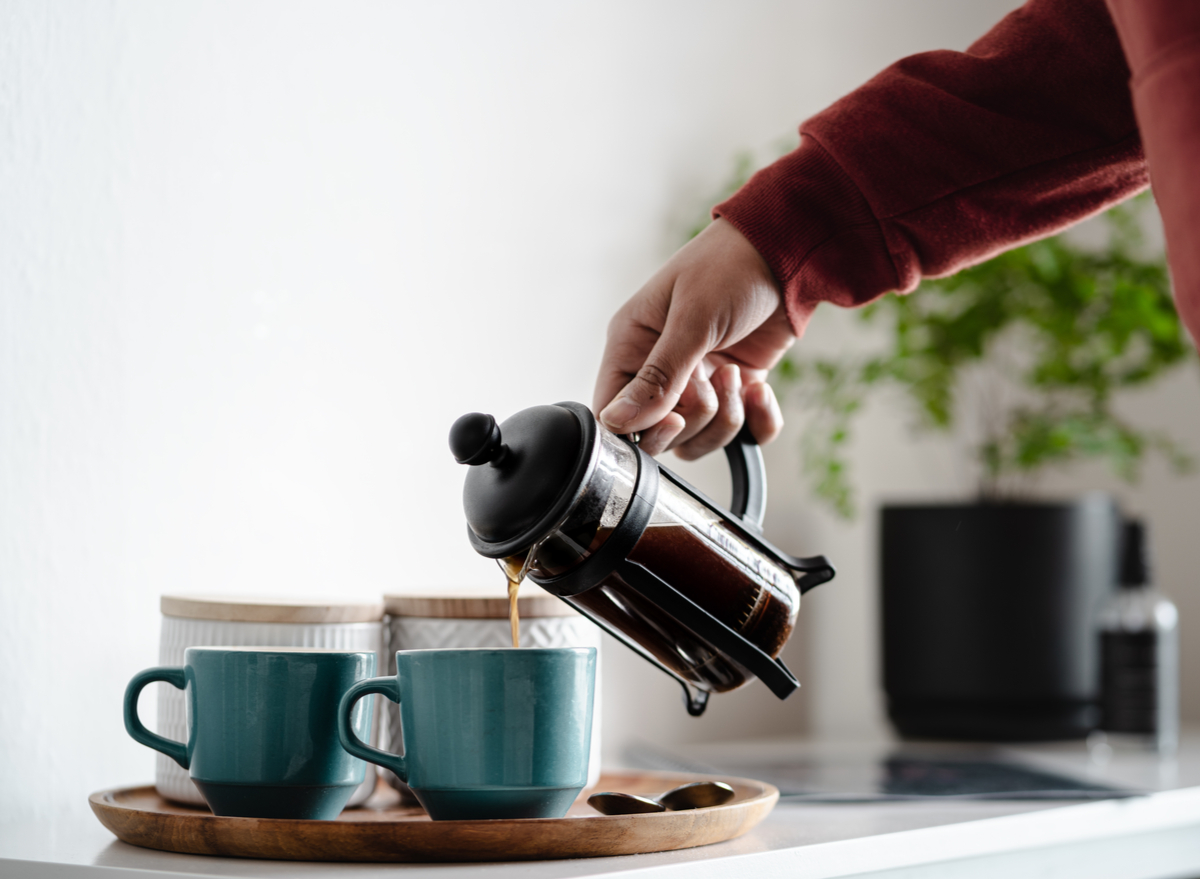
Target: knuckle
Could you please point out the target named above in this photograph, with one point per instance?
(653, 379)
(706, 407)
(700, 399)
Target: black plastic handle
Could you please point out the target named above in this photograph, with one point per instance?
(749, 476)
(708, 628)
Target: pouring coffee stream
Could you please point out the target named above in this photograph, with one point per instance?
(694, 588)
(515, 567)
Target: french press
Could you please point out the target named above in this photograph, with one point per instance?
(694, 588)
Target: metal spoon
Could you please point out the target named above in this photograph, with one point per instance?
(696, 795)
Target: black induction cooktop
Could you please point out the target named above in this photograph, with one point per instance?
(875, 775)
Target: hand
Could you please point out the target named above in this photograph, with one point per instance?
(687, 357)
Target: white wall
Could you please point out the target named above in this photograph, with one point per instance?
(256, 257)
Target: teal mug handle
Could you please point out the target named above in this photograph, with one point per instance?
(177, 751)
(388, 687)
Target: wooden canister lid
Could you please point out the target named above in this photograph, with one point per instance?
(271, 609)
(477, 604)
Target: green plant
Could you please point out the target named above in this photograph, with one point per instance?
(1035, 342)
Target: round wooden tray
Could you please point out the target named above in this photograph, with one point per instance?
(384, 830)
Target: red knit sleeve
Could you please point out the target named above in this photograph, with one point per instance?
(947, 158)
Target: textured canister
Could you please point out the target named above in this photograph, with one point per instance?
(234, 621)
(477, 619)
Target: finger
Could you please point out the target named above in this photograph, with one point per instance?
(698, 404)
(725, 424)
(630, 342)
(655, 440)
(762, 412)
(655, 389)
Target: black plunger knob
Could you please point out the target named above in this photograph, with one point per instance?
(475, 439)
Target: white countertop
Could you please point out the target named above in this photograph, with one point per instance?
(1146, 837)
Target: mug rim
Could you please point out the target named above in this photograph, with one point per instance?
(323, 651)
(501, 650)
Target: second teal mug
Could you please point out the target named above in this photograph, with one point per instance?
(487, 733)
(262, 727)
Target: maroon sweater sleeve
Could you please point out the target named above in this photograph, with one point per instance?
(947, 158)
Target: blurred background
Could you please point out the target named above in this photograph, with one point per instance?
(256, 257)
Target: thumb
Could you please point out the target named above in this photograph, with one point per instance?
(656, 387)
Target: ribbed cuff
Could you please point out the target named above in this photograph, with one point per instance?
(815, 230)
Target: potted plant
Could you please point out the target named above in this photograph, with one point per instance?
(989, 606)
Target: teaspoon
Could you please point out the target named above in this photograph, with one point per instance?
(696, 795)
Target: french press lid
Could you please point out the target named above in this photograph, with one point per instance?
(539, 459)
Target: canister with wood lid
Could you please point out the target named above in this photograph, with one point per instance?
(242, 621)
(480, 618)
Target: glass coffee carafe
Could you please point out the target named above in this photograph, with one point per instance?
(593, 519)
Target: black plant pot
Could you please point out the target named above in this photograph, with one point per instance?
(989, 617)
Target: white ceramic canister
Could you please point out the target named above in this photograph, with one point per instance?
(475, 618)
(237, 621)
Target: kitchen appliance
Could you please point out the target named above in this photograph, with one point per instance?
(694, 588)
(989, 615)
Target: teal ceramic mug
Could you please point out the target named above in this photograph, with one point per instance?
(487, 733)
(262, 727)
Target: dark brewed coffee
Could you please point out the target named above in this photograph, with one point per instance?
(716, 582)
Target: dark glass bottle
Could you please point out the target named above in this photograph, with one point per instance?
(1139, 656)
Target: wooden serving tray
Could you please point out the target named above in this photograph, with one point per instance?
(384, 830)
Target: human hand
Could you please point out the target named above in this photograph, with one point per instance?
(687, 356)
